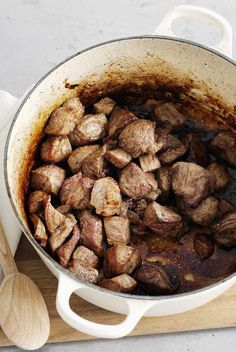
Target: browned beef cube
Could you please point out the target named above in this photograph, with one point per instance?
(224, 146)
(122, 283)
(164, 182)
(104, 106)
(220, 172)
(120, 118)
(55, 149)
(172, 151)
(85, 257)
(47, 178)
(36, 201)
(225, 230)
(62, 232)
(78, 156)
(94, 166)
(39, 230)
(65, 251)
(121, 259)
(197, 151)
(118, 157)
(168, 115)
(205, 213)
(84, 274)
(117, 230)
(149, 162)
(53, 217)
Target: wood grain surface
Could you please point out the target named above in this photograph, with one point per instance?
(220, 313)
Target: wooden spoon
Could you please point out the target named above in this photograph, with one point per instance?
(23, 312)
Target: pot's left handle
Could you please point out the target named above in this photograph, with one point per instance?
(224, 45)
(136, 309)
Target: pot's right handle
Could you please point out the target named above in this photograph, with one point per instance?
(225, 44)
(136, 309)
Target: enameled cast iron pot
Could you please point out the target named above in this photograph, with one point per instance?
(211, 78)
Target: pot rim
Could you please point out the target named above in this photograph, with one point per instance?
(29, 236)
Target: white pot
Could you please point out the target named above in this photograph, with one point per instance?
(130, 58)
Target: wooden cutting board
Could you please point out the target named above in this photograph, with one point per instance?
(220, 313)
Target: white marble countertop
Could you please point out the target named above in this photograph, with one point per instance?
(37, 34)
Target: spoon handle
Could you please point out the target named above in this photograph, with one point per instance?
(6, 258)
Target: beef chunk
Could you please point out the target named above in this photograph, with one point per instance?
(85, 257)
(91, 232)
(161, 137)
(164, 182)
(76, 191)
(122, 283)
(62, 232)
(47, 178)
(64, 209)
(84, 274)
(138, 138)
(224, 206)
(118, 157)
(64, 119)
(157, 279)
(65, 251)
(149, 162)
(94, 165)
(78, 156)
(53, 217)
(224, 146)
(191, 183)
(137, 184)
(120, 118)
(221, 175)
(75, 105)
(90, 129)
(117, 230)
(121, 259)
(39, 230)
(106, 197)
(225, 230)
(169, 116)
(205, 213)
(173, 150)
(104, 106)
(197, 151)
(162, 220)
(203, 246)
(36, 201)
(55, 149)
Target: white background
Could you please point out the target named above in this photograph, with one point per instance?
(37, 34)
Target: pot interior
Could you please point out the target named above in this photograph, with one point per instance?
(151, 67)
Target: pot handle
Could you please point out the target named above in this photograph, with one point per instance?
(136, 309)
(225, 44)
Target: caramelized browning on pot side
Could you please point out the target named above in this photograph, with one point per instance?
(131, 195)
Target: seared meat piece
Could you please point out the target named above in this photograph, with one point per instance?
(173, 150)
(169, 116)
(138, 138)
(85, 257)
(78, 156)
(191, 183)
(84, 274)
(224, 206)
(48, 178)
(149, 162)
(161, 137)
(65, 251)
(104, 106)
(137, 184)
(53, 217)
(221, 175)
(55, 149)
(120, 118)
(224, 146)
(39, 230)
(122, 283)
(157, 279)
(118, 157)
(36, 201)
(64, 119)
(75, 105)
(164, 182)
(62, 232)
(91, 232)
(89, 129)
(106, 197)
(162, 220)
(197, 151)
(121, 259)
(203, 246)
(205, 213)
(76, 191)
(64, 209)
(94, 166)
(117, 230)
(225, 230)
